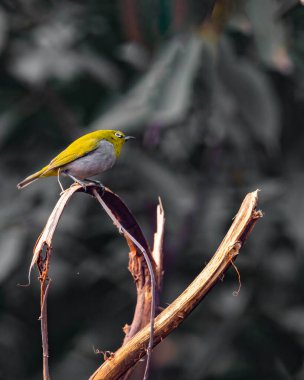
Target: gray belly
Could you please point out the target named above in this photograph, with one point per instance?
(101, 159)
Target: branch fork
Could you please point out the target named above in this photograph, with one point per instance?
(147, 269)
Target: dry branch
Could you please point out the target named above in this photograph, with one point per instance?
(144, 279)
(141, 318)
(141, 264)
(45, 239)
(42, 260)
(157, 251)
(126, 357)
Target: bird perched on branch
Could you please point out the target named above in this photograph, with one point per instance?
(87, 156)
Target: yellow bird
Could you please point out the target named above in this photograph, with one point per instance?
(87, 156)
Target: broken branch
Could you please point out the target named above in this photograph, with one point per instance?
(157, 252)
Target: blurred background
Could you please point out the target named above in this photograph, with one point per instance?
(214, 93)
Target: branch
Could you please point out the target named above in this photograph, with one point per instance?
(142, 265)
(42, 260)
(146, 287)
(44, 290)
(45, 239)
(141, 316)
(175, 314)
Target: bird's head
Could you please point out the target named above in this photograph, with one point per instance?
(117, 138)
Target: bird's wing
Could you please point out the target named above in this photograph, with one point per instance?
(77, 149)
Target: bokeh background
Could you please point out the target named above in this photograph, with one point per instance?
(214, 93)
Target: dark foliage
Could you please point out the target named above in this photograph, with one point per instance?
(217, 109)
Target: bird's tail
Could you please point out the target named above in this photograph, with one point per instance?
(29, 179)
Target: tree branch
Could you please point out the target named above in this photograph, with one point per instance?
(142, 265)
(128, 355)
(144, 279)
(141, 316)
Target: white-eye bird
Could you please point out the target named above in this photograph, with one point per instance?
(87, 156)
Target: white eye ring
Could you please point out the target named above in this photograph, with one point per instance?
(117, 134)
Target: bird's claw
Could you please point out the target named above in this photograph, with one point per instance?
(95, 182)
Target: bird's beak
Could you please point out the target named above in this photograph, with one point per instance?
(129, 138)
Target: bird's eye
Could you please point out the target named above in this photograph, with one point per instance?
(117, 134)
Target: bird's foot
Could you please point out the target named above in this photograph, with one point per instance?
(96, 183)
(85, 182)
(82, 183)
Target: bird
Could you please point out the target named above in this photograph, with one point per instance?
(89, 155)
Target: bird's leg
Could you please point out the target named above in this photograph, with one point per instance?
(81, 183)
(58, 179)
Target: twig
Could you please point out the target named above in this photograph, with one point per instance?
(44, 290)
(175, 314)
(42, 260)
(157, 252)
(151, 272)
(43, 264)
(45, 239)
